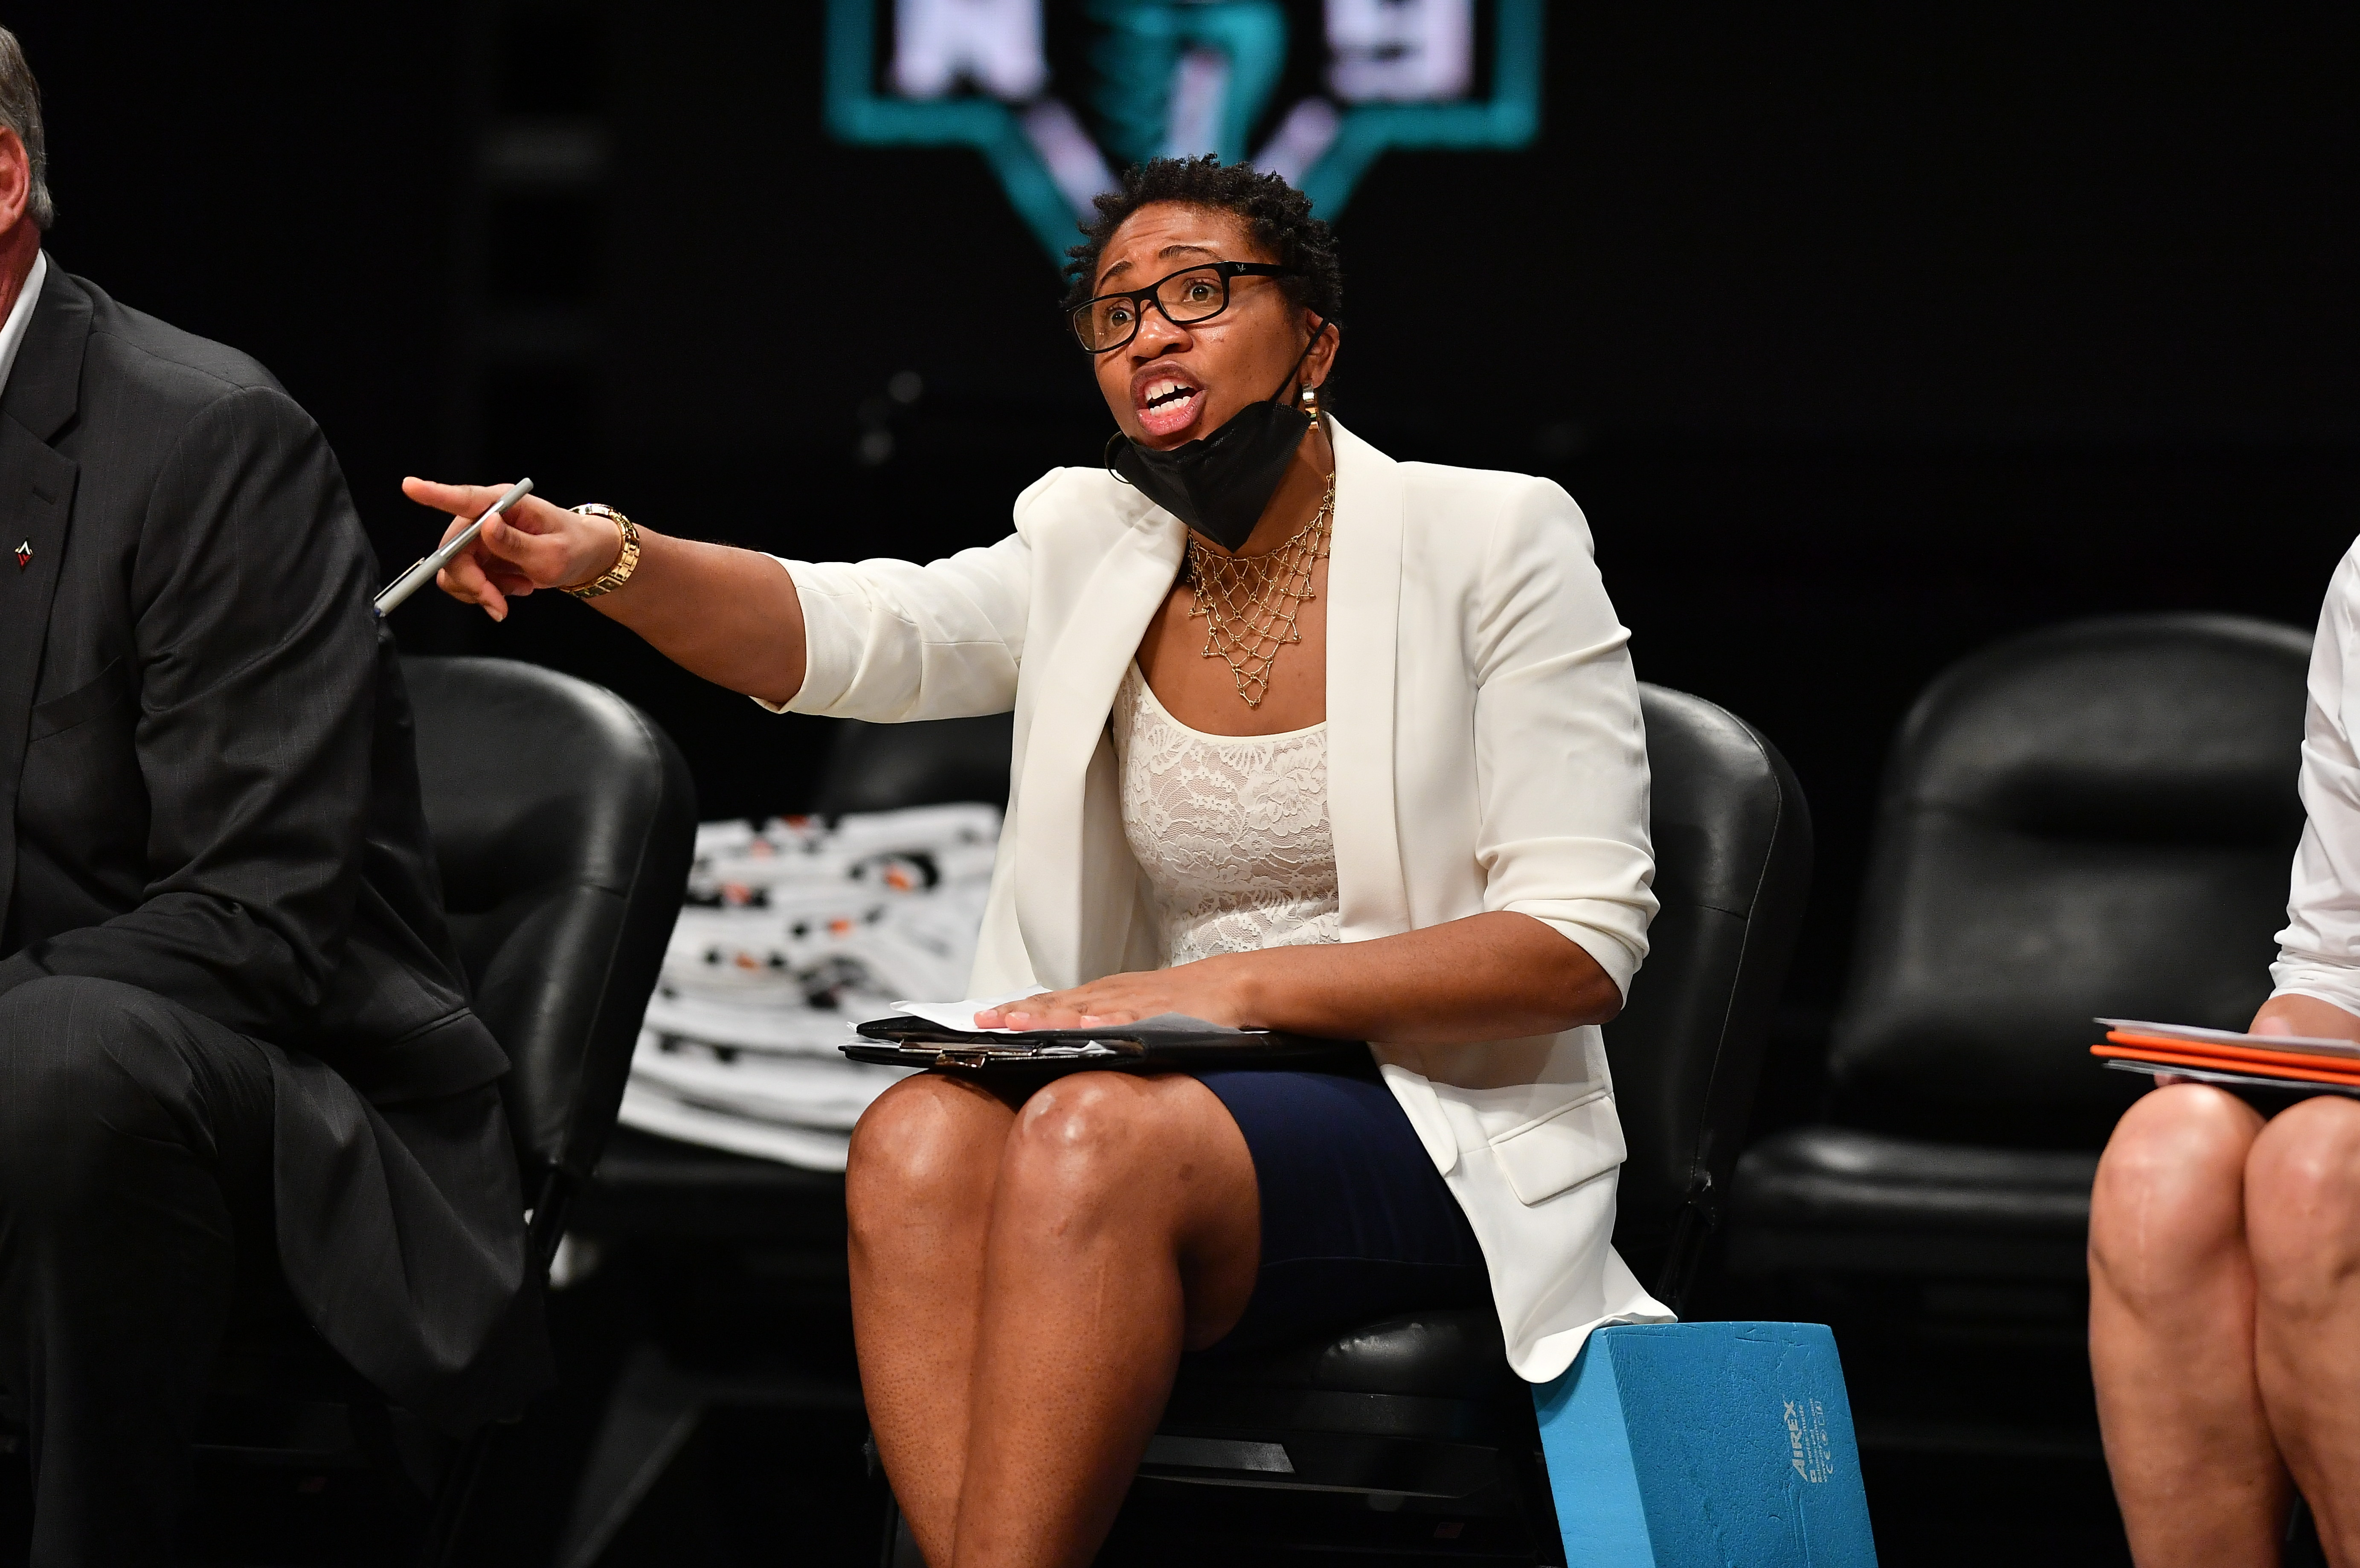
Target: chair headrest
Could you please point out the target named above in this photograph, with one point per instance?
(1732, 838)
(1716, 799)
(2183, 727)
(2093, 820)
(530, 776)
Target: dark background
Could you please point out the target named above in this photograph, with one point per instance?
(1865, 335)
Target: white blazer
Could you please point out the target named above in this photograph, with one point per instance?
(1484, 752)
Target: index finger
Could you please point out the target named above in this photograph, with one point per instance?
(469, 501)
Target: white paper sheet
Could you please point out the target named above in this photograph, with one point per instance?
(960, 1014)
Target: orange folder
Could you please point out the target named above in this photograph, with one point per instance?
(2299, 1066)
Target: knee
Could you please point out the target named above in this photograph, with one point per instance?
(78, 1065)
(917, 1152)
(2169, 1198)
(2303, 1204)
(1080, 1140)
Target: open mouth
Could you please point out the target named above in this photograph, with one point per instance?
(1167, 404)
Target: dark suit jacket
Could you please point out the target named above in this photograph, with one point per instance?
(210, 791)
(204, 742)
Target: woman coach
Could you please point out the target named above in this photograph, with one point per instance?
(1305, 738)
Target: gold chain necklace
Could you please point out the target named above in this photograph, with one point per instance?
(1250, 602)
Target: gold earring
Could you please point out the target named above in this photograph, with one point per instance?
(1311, 400)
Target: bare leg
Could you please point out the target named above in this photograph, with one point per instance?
(1126, 1225)
(2302, 1211)
(2171, 1335)
(918, 1193)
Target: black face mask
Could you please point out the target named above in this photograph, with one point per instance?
(1218, 484)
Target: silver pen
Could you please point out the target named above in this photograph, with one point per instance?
(423, 571)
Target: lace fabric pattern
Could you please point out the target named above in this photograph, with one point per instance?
(1232, 830)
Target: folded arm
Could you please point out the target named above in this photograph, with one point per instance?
(1492, 976)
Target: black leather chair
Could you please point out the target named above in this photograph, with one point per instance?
(1411, 1425)
(564, 823)
(2091, 820)
(883, 768)
(1411, 1435)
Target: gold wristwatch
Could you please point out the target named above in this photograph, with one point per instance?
(626, 563)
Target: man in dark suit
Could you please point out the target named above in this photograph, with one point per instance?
(234, 1040)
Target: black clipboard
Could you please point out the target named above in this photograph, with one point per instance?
(1168, 1043)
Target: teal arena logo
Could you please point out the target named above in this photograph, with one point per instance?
(1058, 94)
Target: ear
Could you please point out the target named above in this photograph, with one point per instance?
(1321, 359)
(15, 181)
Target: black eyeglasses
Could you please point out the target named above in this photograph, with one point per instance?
(1191, 295)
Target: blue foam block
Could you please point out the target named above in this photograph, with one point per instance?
(1705, 1446)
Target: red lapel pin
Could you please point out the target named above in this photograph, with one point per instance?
(24, 552)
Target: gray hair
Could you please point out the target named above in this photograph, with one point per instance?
(20, 111)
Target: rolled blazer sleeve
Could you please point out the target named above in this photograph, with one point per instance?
(890, 641)
(1560, 750)
(2318, 952)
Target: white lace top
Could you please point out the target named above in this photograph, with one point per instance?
(1231, 830)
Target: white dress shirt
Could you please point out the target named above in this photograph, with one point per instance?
(12, 331)
(2318, 952)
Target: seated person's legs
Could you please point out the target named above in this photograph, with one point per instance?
(2303, 1219)
(135, 1141)
(1124, 1230)
(918, 1190)
(1028, 1271)
(1048, 1264)
(2172, 1334)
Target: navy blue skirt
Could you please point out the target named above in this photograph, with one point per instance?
(1356, 1222)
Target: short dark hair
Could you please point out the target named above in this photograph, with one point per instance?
(1278, 215)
